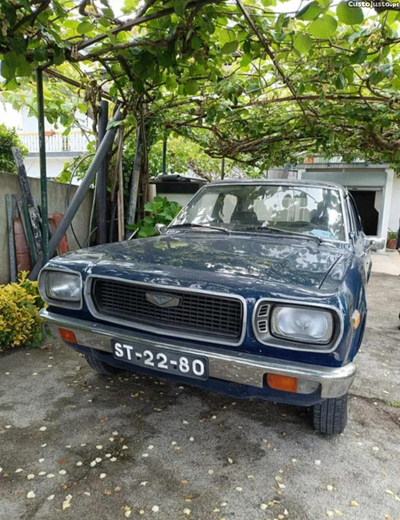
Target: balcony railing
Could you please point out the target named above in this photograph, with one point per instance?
(56, 142)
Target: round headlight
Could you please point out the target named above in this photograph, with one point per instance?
(61, 288)
(302, 324)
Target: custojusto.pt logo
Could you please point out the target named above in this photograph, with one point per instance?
(372, 4)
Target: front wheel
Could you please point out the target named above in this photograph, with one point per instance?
(330, 416)
(103, 368)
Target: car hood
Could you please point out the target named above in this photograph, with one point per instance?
(198, 259)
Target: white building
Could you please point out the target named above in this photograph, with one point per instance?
(375, 188)
(59, 148)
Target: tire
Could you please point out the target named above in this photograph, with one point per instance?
(103, 368)
(330, 416)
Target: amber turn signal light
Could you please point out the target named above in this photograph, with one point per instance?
(67, 335)
(283, 383)
(356, 318)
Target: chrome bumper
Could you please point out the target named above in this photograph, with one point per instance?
(231, 366)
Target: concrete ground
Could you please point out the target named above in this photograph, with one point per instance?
(83, 446)
(387, 262)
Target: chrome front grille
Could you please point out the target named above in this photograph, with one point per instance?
(206, 315)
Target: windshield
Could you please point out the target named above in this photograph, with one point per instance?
(302, 209)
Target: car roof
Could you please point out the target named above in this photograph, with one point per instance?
(283, 182)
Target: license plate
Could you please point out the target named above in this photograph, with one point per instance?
(162, 360)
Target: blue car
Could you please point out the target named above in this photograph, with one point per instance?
(255, 290)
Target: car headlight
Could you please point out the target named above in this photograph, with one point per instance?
(302, 324)
(61, 288)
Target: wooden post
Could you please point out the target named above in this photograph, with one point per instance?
(10, 208)
(32, 209)
(101, 186)
(120, 196)
(135, 181)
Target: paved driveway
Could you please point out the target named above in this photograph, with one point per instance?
(89, 447)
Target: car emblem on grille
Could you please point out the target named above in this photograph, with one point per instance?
(163, 299)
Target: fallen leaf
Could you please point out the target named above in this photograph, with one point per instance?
(329, 513)
(30, 476)
(42, 429)
(187, 511)
(67, 502)
(230, 461)
(353, 503)
(329, 487)
(238, 488)
(155, 509)
(263, 507)
(50, 497)
(103, 475)
(31, 494)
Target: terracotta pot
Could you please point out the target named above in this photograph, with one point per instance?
(391, 243)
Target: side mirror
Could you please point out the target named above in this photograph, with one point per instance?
(374, 243)
(160, 229)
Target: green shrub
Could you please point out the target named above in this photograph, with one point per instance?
(160, 211)
(8, 139)
(20, 324)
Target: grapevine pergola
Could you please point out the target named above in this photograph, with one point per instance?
(241, 78)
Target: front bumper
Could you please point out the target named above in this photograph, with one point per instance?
(235, 367)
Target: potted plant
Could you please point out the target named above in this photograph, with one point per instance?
(392, 240)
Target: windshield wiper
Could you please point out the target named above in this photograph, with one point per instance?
(284, 232)
(190, 225)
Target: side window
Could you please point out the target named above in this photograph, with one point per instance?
(354, 215)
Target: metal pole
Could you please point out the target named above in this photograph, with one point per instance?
(164, 154)
(80, 193)
(43, 173)
(101, 187)
(223, 168)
